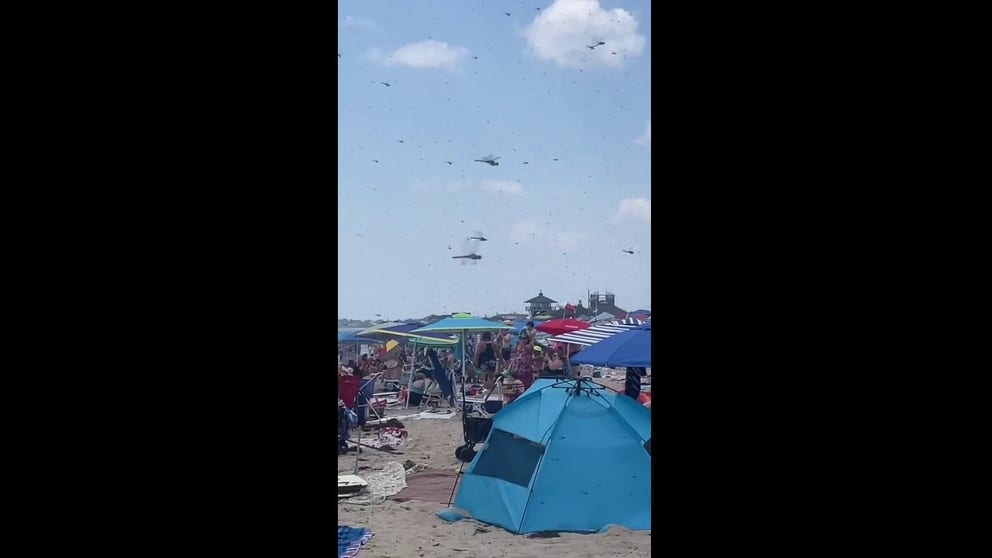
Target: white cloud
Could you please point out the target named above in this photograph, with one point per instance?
(633, 208)
(645, 140)
(350, 22)
(502, 187)
(425, 54)
(568, 240)
(562, 32)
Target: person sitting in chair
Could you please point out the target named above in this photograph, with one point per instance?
(512, 388)
(418, 389)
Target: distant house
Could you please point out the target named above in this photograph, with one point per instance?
(540, 304)
(605, 302)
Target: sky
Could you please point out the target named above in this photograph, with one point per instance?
(466, 81)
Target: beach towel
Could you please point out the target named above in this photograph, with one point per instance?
(381, 484)
(430, 486)
(351, 540)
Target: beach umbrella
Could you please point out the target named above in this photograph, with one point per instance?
(383, 325)
(628, 348)
(560, 326)
(402, 332)
(462, 324)
(596, 333)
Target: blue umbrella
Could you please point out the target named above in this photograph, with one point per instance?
(349, 337)
(628, 348)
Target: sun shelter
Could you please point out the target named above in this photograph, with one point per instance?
(567, 455)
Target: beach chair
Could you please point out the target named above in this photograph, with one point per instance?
(443, 385)
(348, 389)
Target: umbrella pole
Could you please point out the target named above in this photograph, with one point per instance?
(409, 382)
(463, 375)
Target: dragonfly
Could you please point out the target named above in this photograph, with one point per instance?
(489, 160)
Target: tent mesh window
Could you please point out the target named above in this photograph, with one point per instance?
(509, 457)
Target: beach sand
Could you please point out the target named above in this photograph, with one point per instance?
(411, 529)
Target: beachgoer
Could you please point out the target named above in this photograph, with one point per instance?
(505, 340)
(529, 333)
(537, 363)
(521, 367)
(556, 364)
(505, 357)
(632, 384)
(417, 389)
(485, 356)
(512, 388)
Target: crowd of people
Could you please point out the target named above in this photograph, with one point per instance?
(496, 358)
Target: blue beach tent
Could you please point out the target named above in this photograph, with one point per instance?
(567, 455)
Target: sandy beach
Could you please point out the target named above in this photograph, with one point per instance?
(410, 529)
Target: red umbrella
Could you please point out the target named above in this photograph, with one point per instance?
(558, 327)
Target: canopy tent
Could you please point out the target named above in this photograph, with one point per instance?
(551, 462)
(628, 348)
(596, 333)
(603, 317)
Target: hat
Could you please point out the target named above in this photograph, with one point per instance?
(537, 348)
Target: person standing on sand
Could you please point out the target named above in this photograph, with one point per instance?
(522, 367)
(632, 385)
(485, 357)
(529, 333)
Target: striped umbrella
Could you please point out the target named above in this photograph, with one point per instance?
(596, 333)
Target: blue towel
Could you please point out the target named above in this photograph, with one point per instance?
(441, 376)
(351, 540)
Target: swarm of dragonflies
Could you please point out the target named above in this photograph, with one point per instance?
(470, 248)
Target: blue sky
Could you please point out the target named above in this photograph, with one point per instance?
(466, 81)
